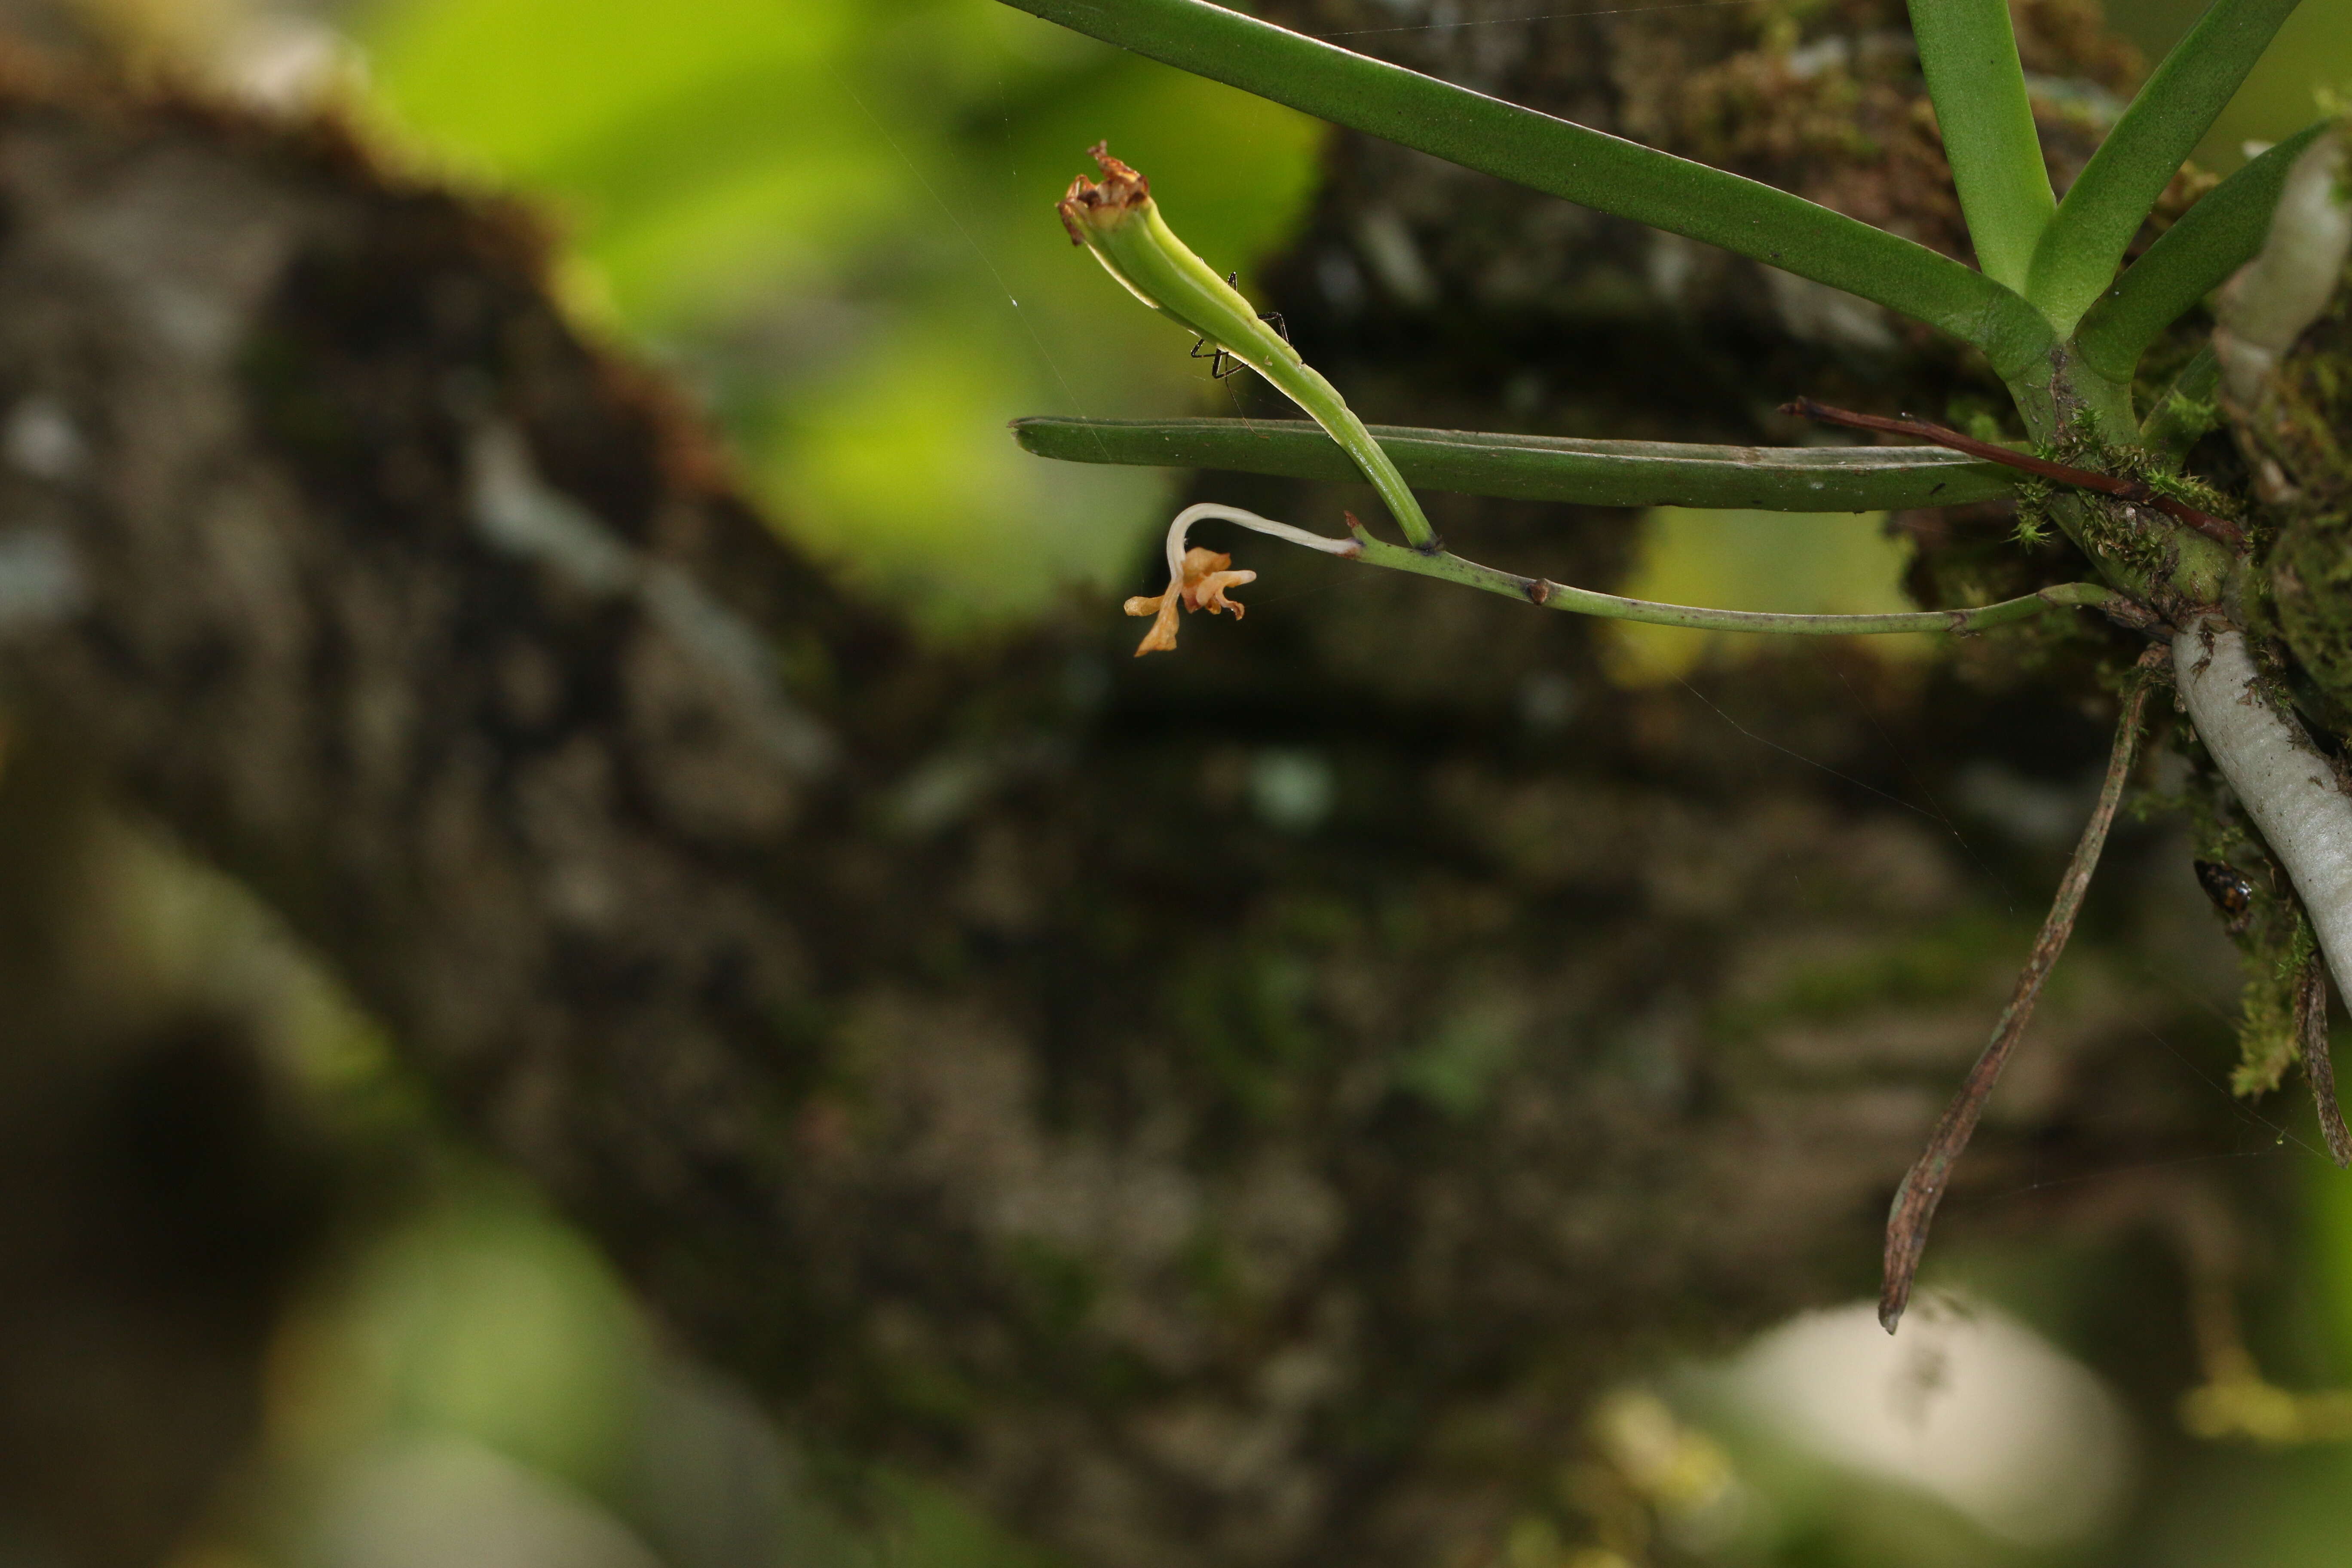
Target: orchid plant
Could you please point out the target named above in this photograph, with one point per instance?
(2050, 305)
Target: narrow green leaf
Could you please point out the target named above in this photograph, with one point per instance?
(2195, 256)
(1543, 468)
(1970, 56)
(1586, 166)
(2186, 411)
(2079, 251)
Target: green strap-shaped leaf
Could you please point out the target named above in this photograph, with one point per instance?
(2079, 251)
(1586, 166)
(1970, 56)
(2214, 239)
(1543, 468)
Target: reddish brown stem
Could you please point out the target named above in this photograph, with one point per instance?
(2311, 1028)
(2220, 530)
(1922, 1187)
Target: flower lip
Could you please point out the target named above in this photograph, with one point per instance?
(1103, 204)
(1202, 577)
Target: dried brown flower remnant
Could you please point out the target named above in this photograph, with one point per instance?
(1120, 192)
(1201, 587)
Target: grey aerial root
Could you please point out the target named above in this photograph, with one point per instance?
(2265, 308)
(2278, 776)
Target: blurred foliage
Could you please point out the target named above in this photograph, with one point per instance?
(835, 217)
(2312, 55)
(481, 1320)
(476, 1384)
(1802, 562)
(832, 220)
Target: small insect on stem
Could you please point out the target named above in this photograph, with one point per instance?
(1222, 364)
(2231, 891)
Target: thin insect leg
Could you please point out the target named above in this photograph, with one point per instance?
(1225, 366)
(1221, 363)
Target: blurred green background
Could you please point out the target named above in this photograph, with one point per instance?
(832, 220)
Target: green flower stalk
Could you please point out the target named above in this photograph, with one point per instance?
(1119, 221)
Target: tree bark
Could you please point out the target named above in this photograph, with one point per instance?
(1233, 1108)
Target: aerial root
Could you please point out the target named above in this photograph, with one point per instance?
(1923, 1186)
(2311, 1028)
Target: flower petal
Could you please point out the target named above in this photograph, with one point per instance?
(1209, 594)
(1201, 563)
(1161, 637)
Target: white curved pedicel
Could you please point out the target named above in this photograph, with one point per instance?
(1250, 520)
(2285, 786)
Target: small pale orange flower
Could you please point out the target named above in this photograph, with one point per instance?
(1203, 587)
